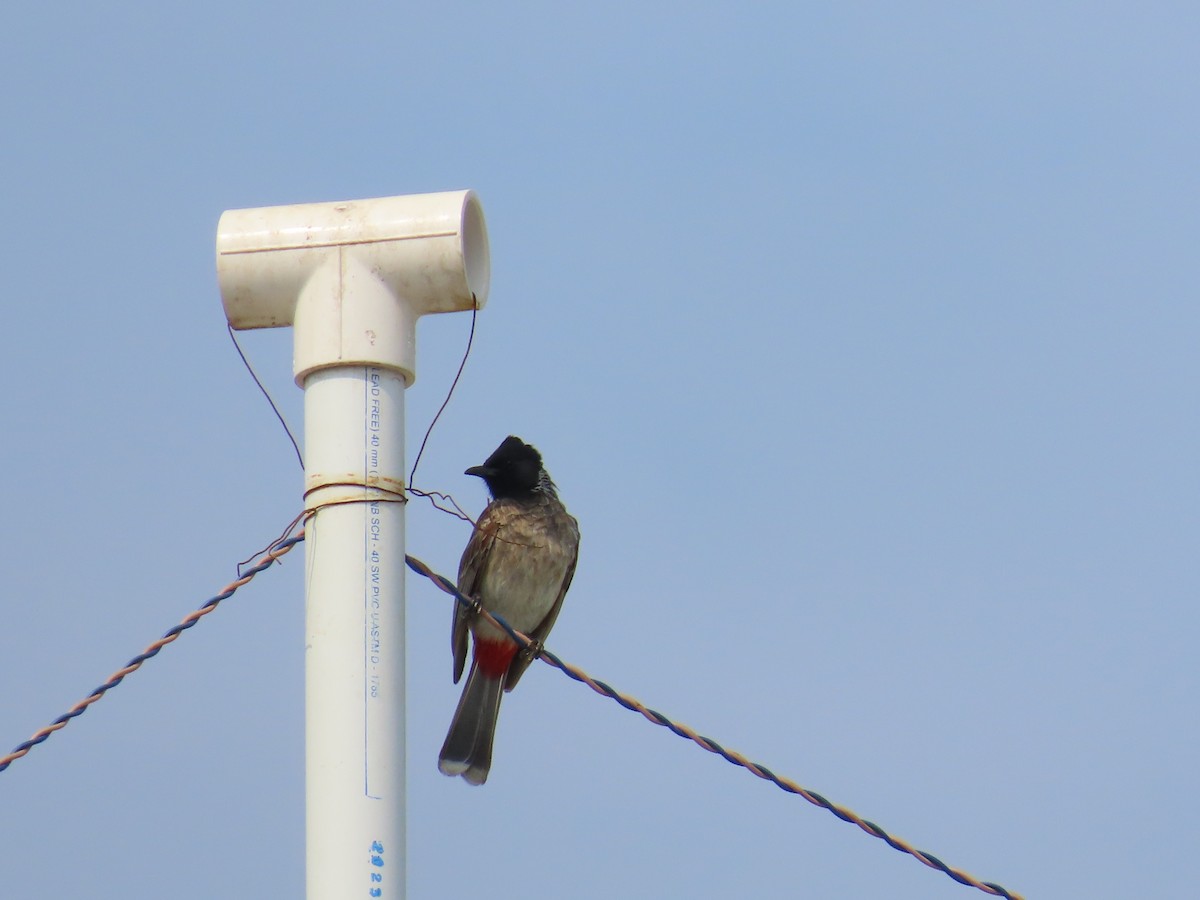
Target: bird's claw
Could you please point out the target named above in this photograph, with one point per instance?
(533, 649)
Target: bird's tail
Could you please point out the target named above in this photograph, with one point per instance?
(468, 748)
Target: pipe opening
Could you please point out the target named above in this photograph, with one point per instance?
(477, 260)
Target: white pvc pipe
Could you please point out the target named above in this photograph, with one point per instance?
(354, 636)
(352, 278)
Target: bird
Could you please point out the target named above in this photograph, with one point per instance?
(518, 564)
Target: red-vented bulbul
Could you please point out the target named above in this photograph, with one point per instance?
(518, 565)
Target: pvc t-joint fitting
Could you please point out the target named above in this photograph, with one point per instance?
(353, 277)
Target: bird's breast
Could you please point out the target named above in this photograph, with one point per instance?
(526, 565)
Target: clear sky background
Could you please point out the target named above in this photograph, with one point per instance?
(861, 339)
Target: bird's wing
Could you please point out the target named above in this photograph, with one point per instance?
(470, 573)
(522, 660)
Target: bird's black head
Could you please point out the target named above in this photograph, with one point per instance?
(513, 470)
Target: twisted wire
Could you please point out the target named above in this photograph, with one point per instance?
(268, 559)
(707, 743)
(272, 555)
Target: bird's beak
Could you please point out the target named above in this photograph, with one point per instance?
(479, 471)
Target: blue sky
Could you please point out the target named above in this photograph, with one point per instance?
(861, 340)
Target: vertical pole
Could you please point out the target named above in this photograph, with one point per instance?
(354, 636)
(352, 278)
